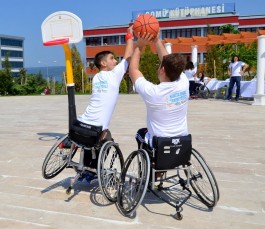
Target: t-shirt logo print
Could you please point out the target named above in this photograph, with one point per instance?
(175, 141)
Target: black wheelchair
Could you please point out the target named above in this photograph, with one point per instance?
(201, 91)
(171, 164)
(104, 154)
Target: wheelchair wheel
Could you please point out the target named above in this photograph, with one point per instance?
(134, 181)
(110, 164)
(57, 157)
(203, 181)
(204, 92)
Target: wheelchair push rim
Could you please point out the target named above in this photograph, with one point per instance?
(133, 183)
(110, 164)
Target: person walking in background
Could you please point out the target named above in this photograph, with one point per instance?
(235, 70)
(190, 72)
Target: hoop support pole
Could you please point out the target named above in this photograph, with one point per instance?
(68, 63)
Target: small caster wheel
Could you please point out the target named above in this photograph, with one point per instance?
(68, 191)
(160, 186)
(178, 216)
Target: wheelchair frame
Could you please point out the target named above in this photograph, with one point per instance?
(202, 91)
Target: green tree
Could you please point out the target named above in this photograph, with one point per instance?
(123, 86)
(210, 30)
(6, 79)
(22, 76)
(78, 68)
(5, 83)
(229, 29)
(148, 65)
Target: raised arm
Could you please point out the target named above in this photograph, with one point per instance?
(129, 44)
(160, 48)
(134, 71)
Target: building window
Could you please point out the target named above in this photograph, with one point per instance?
(11, 53)
(255, 29)
(122, 37)
(11, 42)
(111, 40)
(16, 64)
(93, 41)
(106, 40)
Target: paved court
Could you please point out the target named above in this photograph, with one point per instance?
(231, 137)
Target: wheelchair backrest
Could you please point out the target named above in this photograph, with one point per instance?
(171, 152)
(84, 134)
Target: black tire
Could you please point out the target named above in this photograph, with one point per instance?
(134, 181)
(203, 181)
(57, 157)
(110, 164)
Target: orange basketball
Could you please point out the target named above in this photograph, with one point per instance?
(145, 23)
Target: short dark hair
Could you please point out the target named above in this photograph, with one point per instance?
(189, 65)
(174, 65)
(100, 56)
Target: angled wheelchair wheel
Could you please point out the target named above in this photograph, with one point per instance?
(134, 181)
(110, 164)
(57, 157)
(203, 181)
(204, 92)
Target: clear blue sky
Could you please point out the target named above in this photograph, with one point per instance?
(24, 18)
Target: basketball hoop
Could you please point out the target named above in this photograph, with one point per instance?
(61, 27)
(56, 42)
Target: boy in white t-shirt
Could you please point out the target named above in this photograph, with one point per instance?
(167, 102)
(105, 88)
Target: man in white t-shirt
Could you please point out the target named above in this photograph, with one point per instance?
(167, 102)
(105, 87)
(235, 70)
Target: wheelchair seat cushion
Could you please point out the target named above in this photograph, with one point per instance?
(171, 152)
(84, 134)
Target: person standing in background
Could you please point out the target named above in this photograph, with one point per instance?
(190, 72)
(235, 70)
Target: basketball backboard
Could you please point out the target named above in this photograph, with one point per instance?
(61, 27)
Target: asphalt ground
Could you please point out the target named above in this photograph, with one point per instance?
(229, 135)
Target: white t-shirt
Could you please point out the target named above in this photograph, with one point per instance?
(190, 74)
(105, 91)
(236, 67)
(206, 79)
(167, 105)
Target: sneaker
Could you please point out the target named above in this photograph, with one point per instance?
(90, 177)
(227, 100)
(237, 99)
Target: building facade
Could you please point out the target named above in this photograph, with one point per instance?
(174, 23)
(13, 48)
